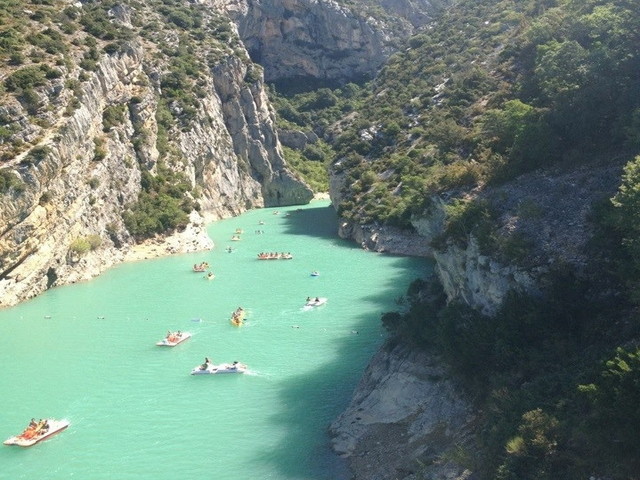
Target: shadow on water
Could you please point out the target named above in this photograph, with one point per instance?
(321, 222)
(336, 376)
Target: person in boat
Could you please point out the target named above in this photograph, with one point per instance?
(317, 299)
(206, 364)
(308, 299)
(38, 429)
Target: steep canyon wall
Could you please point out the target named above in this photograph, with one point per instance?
(78, 176)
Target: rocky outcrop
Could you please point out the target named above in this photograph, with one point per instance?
(64, 223)
(251, 126)
(478, 280)
(385, 238)
(324, 40)
(406, 420)
(546, 211)
(546, 214)
(296, 139)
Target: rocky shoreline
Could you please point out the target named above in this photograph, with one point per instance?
(193, 238)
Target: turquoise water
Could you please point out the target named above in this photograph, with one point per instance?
(87, 353)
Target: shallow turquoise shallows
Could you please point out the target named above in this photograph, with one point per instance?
(87, 353)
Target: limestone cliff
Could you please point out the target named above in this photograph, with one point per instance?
(325, 41)
(73, 169)
(406, 419)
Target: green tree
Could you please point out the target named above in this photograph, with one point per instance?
(614, 418)
(533, 449)
(627, 219)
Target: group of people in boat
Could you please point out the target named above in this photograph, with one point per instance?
(200, 267)
(274, 256)
(237, 317)
(35, 429)
(173, 337)
(207, 364)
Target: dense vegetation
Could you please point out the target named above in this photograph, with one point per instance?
(315, 111)
(492, 89)
(163, 205)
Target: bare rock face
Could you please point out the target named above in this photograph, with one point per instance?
(404, 419)
(323, 40)
(251, 126)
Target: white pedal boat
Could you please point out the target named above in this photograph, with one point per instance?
(173, 338)
(316, 302)
(211, 369)
(34, 434)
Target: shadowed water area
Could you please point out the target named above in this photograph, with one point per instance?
(87, 353)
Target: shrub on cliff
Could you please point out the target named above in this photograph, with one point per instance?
(612, 416)
(25, 78)
(626, 219)
(163, 204)
(9, 181)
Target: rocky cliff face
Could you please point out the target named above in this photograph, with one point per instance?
(323, 40)
(76, 174)
(405, 420)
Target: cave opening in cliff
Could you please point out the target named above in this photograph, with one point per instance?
(52, 277)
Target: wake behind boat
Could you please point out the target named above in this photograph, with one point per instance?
(173, 338)
(37, 431)
(208, 368)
